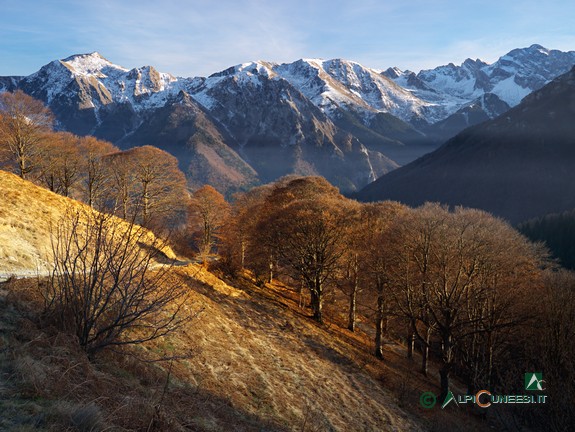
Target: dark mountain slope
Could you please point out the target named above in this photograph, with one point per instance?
(517, 166)
(184, 129)
(279, 131)
(557, 231)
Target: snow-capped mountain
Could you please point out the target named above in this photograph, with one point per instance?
(278, 130)
(142, 88)
(246, 124)
(517, 166)
(89, 94)
(261, 120)
(337, 83)
(512, 77)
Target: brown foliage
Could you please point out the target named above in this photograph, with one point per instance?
(24, 122)
(95, 182)
(461, 275)
(208, 214)
(300, 228)
(60, 164)
(147, 185)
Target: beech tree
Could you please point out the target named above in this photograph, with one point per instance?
(350, 280)
(304, 219)
(241, 241)
(416, 233)
(24, 122)
(95, 182)
(208, 213)
(551, 348)
(459, 282)
(377, 255)
(147, 183)
(60, 165)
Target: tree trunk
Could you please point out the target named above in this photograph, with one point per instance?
(145, 203)
(425, 352)
(316, 302)
(352, 308)
(22, 166)
(490, 358)
(446, 366)
(271, 270)
(444, 381)
(379, 326)
(410, 339)
(242, 253)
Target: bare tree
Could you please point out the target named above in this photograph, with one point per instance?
(208, 213)
(461, 276)
(60, 164)
(24, 121)
(302, 221)
(349, 279)
(554, 348)
(95, 182)
(377, 252)
(107, 285)
(147, 185)
(239, 233)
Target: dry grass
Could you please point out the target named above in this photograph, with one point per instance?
(250, 360)
(27, 213)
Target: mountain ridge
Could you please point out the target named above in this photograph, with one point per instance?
(516, 166)
(285, 118)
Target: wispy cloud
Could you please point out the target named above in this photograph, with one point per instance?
(199, 37)
(195, 40)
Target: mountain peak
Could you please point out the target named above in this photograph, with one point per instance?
(393, 72)
(533, 50)
(477, 63)
(537, 47)
(92, 55)
(90, 64)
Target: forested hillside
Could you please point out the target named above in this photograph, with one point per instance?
(288, 307)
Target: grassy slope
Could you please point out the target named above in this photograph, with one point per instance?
(251, 359)
(27, 213)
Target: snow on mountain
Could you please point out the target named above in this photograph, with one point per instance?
(103, 82)
(337, 83)
(517, 166)
(458, 81)
(246, 74)
(92, 65)
(332, 85)
(278, 129)
(522, 71)
(9, 83)
(512, 77)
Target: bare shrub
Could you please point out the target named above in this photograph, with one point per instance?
(108, 285)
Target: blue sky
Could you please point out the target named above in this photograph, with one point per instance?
(199, 37)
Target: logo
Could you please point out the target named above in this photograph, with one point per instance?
(484, 398)
(427, 400)
(448, 398)
(534, 381)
